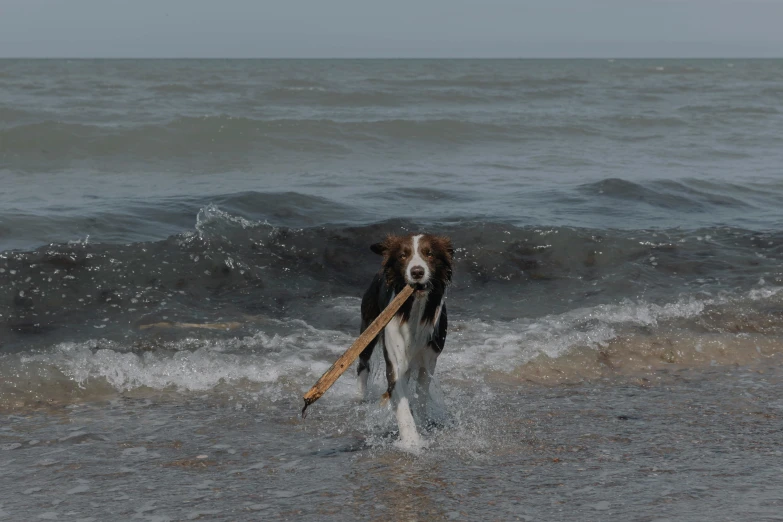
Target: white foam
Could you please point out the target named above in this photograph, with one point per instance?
(765, 292)
(198, 365)
(293, 354)
(505, 345)
(212, 215)
(501, 346)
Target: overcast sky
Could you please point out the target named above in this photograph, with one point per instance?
(390, 28)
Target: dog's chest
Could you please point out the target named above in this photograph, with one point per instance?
(411, 335)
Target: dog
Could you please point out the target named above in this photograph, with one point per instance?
(415, 337)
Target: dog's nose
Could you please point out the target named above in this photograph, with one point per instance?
(417, 272)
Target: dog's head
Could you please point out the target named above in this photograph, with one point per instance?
(423, 260)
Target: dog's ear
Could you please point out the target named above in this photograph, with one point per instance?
(378, 248)
(446, 242)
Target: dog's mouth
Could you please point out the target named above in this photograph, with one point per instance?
(420, 289)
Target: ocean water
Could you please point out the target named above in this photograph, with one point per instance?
(184, 245)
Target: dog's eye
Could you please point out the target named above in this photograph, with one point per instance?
(428, 253)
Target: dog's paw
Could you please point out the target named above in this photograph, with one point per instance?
(414, 446)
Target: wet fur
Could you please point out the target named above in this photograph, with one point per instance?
(417, 333)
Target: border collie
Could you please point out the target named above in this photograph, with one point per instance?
(415, 336)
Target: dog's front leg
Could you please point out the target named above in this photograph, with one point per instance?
(397, 370)
(409, 437)
(428, 358)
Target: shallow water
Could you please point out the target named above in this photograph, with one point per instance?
(184, 244)
(671, 445)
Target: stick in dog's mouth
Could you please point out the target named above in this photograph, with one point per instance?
(421, 289)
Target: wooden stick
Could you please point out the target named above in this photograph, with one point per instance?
(350, 355)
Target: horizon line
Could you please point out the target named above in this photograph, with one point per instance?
(607, 57)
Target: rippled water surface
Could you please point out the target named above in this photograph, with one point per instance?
(184, 244)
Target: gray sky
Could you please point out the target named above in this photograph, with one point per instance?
(392, 28)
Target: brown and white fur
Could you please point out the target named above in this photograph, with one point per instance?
(415, 336)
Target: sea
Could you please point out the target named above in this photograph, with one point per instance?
(184, 245)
